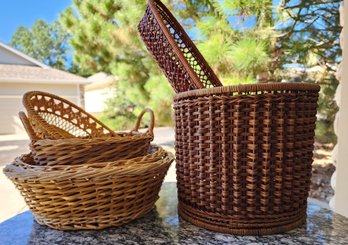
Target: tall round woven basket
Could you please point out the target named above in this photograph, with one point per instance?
(244, 156)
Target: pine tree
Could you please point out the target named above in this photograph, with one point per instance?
(105, 38)
(238, 39)
(292, 41)
(245, 41)
(311, 41)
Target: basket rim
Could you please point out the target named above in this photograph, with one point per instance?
(121, 138)
(20, 169)
(197, 82)
(249, 88)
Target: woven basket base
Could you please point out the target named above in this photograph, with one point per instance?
(91, 223)
(236, 227)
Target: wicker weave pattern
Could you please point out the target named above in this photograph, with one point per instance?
(244, 156)
(53, 117)
(121, 145)
(90, 196)
(176, 54)
(78, 151)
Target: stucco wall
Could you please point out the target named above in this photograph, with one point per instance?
(95, 100)
(339, 179)
(11, 102)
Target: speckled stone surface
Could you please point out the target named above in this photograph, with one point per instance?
(162, 226)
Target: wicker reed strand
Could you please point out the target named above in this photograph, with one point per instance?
(90, 196)
(174, 51)
(244, 156)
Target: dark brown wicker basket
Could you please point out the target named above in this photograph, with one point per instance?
(244, 156)
(176, 54)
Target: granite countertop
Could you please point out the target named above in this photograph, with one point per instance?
(163, 226)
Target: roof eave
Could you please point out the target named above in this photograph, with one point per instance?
(24, 56)
(43, 81)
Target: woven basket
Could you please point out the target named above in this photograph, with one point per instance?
(53, 117)
(171, 47)
(85, 150)
(244, 156)
(90, 196)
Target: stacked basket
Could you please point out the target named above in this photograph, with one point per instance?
(243, 153)
(82, 175)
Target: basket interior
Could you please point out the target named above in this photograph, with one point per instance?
(63, 117)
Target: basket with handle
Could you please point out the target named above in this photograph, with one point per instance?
(174, 51)
(121, 145)
(53, 117)
(244, 155)
(93, 195)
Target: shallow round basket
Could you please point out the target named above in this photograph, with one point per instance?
(244, 155)
(90, 196)
(76, 151)
(121, 145)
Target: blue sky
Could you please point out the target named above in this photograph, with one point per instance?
(24, 12)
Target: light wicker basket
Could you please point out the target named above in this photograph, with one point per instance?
(90, 196)
(75, 150)
(178, 57)
(53, 117)
(244, 155)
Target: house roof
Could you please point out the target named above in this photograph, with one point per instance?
(23, 56)
(37, 74)
(33, 71)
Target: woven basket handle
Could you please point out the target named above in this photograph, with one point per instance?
(27, 126)
(152, 121)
